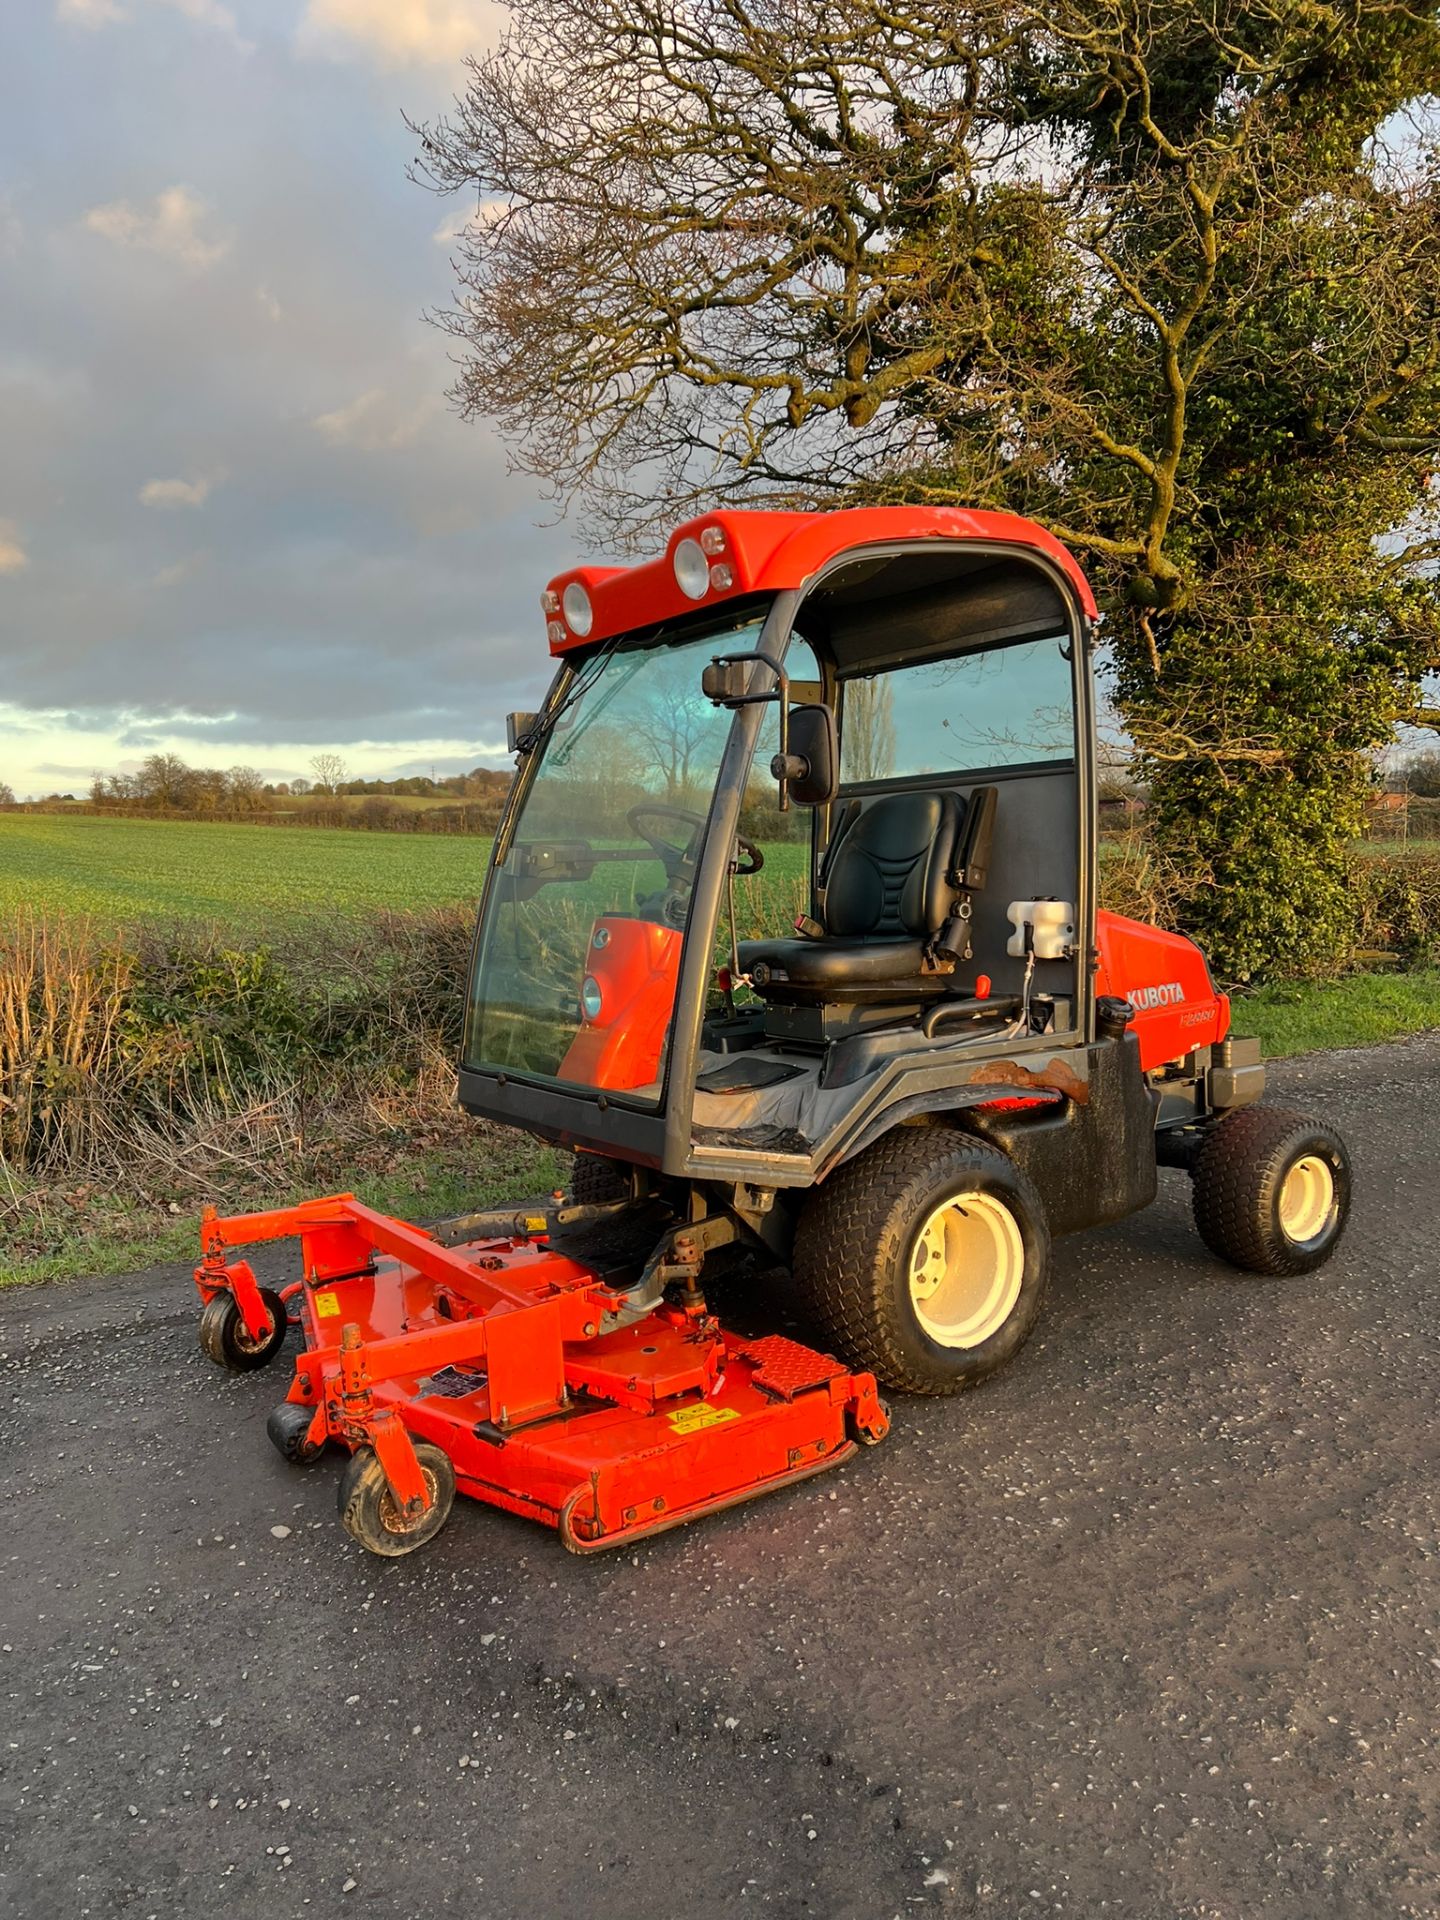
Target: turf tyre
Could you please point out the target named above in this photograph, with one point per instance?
(594, 1180)
(855, 1247)
(1240, 1188)
(224, 1340)
(368, 1510)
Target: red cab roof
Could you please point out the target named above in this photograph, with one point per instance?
(767, 552)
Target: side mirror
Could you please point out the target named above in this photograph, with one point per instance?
(809, 769)
(518, 726)
(726, 679)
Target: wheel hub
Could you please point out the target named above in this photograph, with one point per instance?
(967, 1264)
(1307, 1199)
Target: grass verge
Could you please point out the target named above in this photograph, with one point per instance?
(1357, 1011)
(88, 1232)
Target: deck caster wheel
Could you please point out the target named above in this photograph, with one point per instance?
(924, 1260)
(368, 1510)
(1272, 1191)
(289, 1428)
(223, 1335)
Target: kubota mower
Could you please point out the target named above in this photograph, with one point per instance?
(790, 932)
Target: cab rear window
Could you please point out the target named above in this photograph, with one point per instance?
(1007, 706)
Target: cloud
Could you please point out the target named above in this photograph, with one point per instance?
(175, 493)
(12, 554)
(94, 14)
(401, 33)
(170, 224)
(207, 13)
(375, 421)
(457, 222)
(89, 13)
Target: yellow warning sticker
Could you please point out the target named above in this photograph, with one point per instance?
(327, 1305)
(536, 1223)
(696, 1419)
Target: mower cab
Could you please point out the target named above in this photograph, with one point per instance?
(790, 932)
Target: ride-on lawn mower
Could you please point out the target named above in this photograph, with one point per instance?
(947, 1058)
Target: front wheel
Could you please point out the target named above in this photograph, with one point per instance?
(924, 1260)
(370, 1513)
(225, 1339)
(1272, 1191)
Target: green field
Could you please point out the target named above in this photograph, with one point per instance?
(128, 870)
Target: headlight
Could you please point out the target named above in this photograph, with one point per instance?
(579, 614)
(692, 569)
(590, 1000)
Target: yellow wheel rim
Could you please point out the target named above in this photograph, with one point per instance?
(1307, 1199)
(967, 1264)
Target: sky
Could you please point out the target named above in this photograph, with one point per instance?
(239, 519)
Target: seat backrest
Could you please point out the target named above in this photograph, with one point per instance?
(886, 874)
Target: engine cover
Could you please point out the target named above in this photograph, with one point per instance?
(1165, 978)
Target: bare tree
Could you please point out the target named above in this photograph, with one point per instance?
(330, 771)
(869, 729)
(1141, 270)
(7, 794)
(245, 789)
(164, 780)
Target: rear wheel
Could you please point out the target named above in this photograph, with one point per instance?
(1272, 1191)
(924, 1260)
(594, 1180)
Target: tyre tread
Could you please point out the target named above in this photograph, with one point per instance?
(850, 1233)
(1236, 1174)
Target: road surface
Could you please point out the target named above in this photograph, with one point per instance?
(1145, 1628)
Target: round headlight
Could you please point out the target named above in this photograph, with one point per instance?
(579, 614)
(692, 569)
(590, 1001)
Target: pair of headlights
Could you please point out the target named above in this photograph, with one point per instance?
(699, 569)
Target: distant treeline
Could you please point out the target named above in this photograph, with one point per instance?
(166, 788)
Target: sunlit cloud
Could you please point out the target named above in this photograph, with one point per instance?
(461, 220)
(94, 14)
(401, 33)
(13, 556)
(169, 224)
(376, 421)
(89, 13)
(176, 493)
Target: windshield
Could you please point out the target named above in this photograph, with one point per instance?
(578, 960)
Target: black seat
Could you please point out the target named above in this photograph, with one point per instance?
(889, 889)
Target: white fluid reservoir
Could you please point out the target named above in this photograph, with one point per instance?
(1054, 925)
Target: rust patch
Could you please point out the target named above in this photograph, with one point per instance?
(1057, 1077)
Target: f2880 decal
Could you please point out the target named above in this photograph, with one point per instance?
(1170, 994)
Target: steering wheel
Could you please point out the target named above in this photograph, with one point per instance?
(678, 862)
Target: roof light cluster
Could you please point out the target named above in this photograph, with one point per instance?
(698, 570)
(579, 614)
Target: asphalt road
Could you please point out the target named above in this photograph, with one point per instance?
(1147, 1627)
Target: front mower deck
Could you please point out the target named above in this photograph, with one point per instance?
(531, 1376)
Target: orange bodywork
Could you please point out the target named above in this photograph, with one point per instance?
(636, 965)
(1165, 978)
(768, 552)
